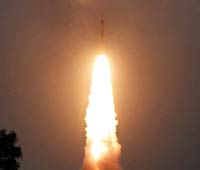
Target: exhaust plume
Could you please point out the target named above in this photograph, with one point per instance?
(102, 149)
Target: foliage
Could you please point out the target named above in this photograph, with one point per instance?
(10, 153)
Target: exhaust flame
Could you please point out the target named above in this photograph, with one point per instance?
(102, 148)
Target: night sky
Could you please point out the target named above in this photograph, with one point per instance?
(47, 50)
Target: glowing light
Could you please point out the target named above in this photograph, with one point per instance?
(100, 117)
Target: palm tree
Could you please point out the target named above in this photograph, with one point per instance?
(10, 153)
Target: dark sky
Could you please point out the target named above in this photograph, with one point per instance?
(47, 49)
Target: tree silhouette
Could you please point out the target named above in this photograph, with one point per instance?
(10, 153)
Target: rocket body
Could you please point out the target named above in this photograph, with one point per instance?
(102, 32)
(102, 28)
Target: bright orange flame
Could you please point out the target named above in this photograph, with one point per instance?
(101, 142)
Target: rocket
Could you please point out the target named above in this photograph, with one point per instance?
(102, 36)
(102, 28)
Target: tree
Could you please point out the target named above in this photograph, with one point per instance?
(10, 152)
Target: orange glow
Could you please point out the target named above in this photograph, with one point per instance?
(100, 117)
